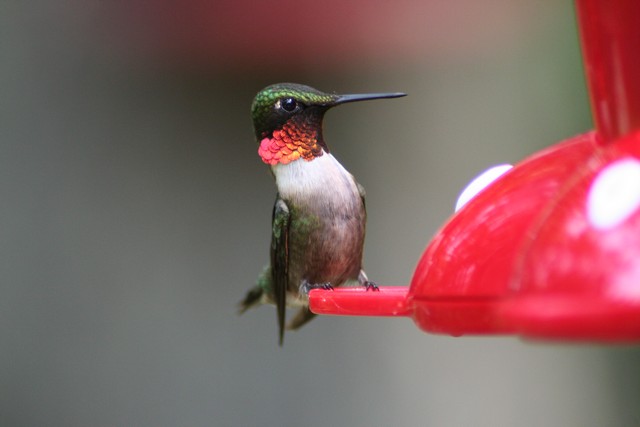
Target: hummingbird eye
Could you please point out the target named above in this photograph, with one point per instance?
(288, 104)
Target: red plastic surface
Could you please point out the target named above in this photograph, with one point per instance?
(467, 257)
(551, 249)
(580, 274)
(388, 301)
(472, 258)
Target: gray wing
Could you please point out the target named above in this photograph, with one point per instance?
(363, 195)
(280, 260)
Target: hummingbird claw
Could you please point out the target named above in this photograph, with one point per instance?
(368, 284)
(371, 286)
(306, 287)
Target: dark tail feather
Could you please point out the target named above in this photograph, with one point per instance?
(301, 317)
(253, 297)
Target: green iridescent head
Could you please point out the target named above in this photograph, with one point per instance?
(278, 104)
(275, 105)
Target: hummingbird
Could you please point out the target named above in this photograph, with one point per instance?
(319, 216)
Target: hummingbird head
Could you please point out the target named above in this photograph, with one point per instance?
(287, 119)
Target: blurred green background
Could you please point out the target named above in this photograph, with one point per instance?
(136, 212)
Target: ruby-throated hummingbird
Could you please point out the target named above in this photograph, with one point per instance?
(318, 224)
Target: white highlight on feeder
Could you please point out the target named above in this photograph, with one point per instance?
(479, 183)
(614, 194)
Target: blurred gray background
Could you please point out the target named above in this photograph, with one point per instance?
(135, 211)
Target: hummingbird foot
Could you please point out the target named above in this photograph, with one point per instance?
(371, 286)
(306, 287)
(368, 284)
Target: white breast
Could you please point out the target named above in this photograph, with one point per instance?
(302, 179)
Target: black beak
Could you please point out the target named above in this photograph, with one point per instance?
(343, 99)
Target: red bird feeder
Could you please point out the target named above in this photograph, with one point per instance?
(551, 248)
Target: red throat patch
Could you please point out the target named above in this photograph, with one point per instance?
(290, 143)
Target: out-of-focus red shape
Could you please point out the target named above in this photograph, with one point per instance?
(611, 46)
(276, 37)
(551, 249)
